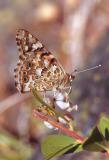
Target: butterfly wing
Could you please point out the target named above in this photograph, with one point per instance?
(37, 67)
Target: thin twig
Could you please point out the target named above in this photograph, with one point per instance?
(12, 101)
(68, 132)
(76, 24)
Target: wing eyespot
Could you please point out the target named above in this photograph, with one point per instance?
(25, 79)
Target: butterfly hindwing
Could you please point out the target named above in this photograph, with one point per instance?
(37, 67)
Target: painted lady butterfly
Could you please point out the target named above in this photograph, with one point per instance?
(37, 68)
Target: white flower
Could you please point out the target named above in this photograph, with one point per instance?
(48, 125)
(73, 108)
(59, 96)
(62, 105)
(60, 100)
(62, 120)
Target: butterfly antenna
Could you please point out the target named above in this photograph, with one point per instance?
(88, 69)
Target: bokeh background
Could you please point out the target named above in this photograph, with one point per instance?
(77, 33)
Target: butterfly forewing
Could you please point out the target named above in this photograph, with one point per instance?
(37, 67)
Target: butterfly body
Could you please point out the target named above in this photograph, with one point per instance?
(37, 67)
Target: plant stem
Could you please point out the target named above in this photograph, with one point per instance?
(38, 97)
(70, 133)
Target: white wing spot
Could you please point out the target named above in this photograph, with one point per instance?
(30, 36)
(46, 63)
(26, 48)
(36, 46)
(38, 72)
(53, 68)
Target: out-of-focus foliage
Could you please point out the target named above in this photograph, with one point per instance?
(77, 33)
(12, 149)
(98, 141)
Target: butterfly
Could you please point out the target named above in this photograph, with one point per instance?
(37, 68)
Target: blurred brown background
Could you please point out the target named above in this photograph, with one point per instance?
(77, 33)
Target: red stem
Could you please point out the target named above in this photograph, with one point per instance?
(70, 133)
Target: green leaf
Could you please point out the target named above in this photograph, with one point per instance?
(91, 142)
(12, 148)
(56, 145)
(103, 127)
(99, 137)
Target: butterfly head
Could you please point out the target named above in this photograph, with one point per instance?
(68, 80)
(71, 78)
